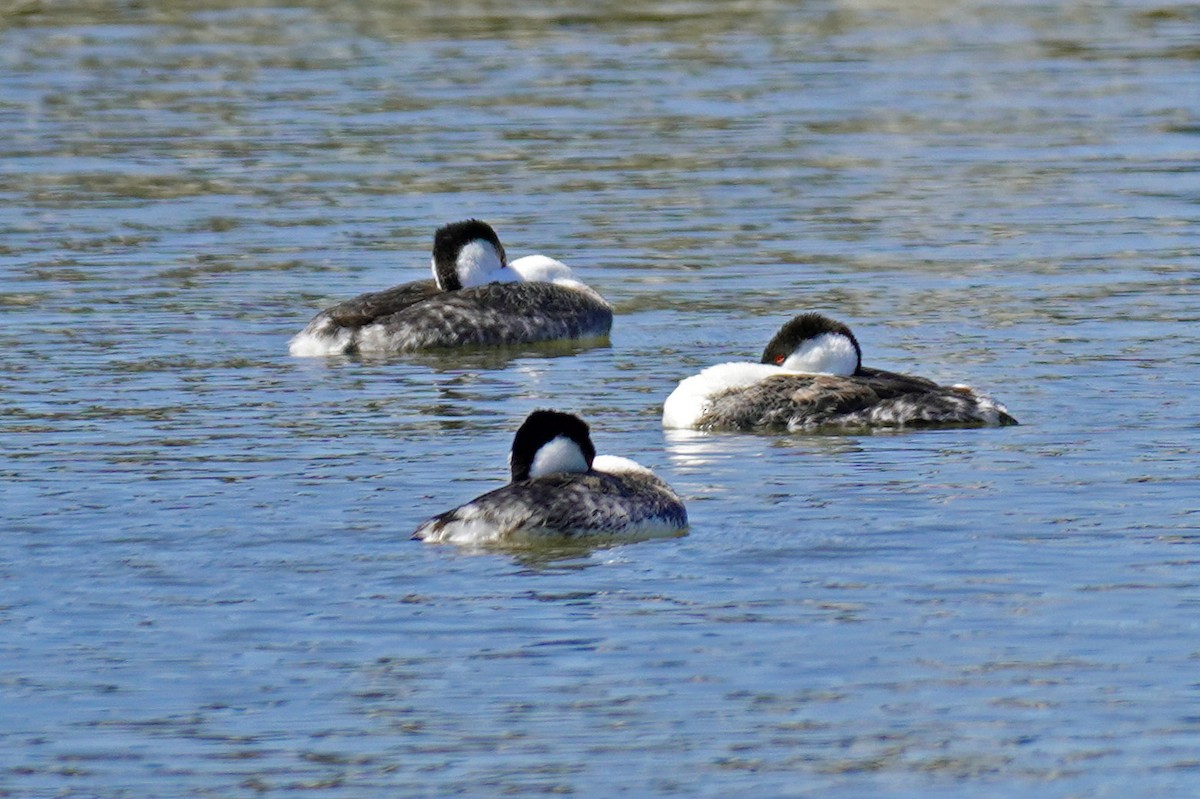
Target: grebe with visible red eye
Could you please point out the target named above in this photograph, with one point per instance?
(810, 378)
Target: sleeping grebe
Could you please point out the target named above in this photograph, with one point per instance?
(561, 489)
(811, 377)
(475, 298)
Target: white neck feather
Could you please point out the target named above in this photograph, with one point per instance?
(543, 269)
(560, 454)
(478, 264)
(826, 354)
(615, 464)
(690, 399)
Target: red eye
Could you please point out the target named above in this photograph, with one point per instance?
(779, 359)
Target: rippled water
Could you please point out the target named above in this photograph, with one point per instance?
(206, 586)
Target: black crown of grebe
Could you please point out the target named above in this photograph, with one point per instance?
(560, 488)
(475, 298)
(811, 377)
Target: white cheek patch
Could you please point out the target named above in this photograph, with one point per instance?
(478, 264)
(556, 456)
(826, 354)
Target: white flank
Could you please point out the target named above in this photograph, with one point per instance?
(474, 525)
(826, 354)
(690, 399)
(991, 410)
(309, 344)
(544, 269)
(377, 338)
(988, 409)
(558, 455)
(615, 464)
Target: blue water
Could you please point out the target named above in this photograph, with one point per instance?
(206, 582)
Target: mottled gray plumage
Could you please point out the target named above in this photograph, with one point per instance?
(475, 298)
(367, 308)
(499, 313)
(419, 316)
(561, 489)
(570, 505)
(869, 398)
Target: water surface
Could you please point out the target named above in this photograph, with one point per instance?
(206, 583)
